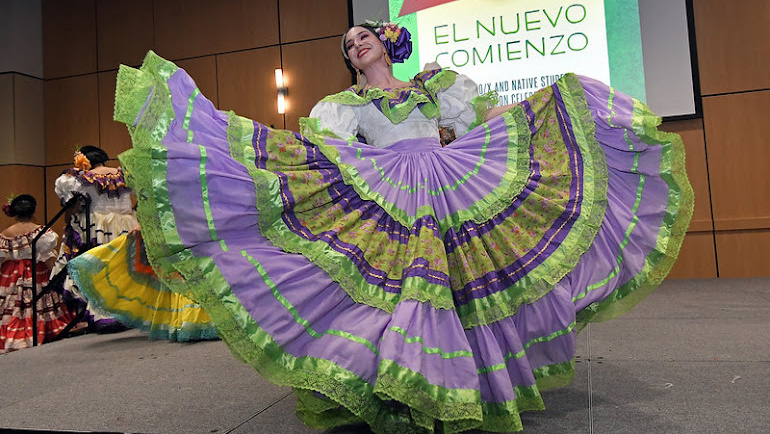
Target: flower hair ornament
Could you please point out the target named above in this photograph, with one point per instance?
(7, 206)
(397, 40)
(81, 161)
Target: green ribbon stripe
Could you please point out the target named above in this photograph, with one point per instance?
(188, 114)
(430, 350)
(611, 107)
(486, 369)
(205, 194)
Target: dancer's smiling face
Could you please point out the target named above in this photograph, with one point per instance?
(363, 47)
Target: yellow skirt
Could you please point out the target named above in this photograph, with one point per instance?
(118, 281)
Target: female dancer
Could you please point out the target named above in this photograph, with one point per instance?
(396, 282)
(16, 268)
(111, 215)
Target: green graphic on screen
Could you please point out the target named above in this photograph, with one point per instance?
(516, 47)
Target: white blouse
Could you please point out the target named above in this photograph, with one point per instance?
(100, 202)
(348, 121)
(20, 247)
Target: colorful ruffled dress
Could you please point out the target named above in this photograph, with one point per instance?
(16, 292)
(118, 281)
(111, 215)
(400, 283)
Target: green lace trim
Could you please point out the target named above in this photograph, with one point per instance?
(422, 95)
(312, 127)
(554, 376)
(322, 413)
(481, 105)
(659, 262)
(138, 89)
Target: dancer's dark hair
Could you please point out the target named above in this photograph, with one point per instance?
(96, 156)
(22, 206)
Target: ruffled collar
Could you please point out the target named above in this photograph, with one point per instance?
(19, 242)
(111, 184)
(396, 104)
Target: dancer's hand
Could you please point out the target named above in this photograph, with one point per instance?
(136, 230)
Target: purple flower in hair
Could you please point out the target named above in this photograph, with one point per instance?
(397, 40)
(400, 48)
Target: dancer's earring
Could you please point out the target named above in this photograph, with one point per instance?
(358, 76)
(387, 60)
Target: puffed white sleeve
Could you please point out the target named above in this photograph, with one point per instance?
(331, 119)
(46, 246)
(461, 106)
(65, 185)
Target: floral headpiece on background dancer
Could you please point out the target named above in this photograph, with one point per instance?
(397, 40)
(82, 162)
(7, 206)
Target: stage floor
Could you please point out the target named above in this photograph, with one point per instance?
(694, 357)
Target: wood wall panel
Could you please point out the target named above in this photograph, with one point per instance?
(192, 28)
(697, 258)
(29, 125)
(6, 119)
(743, 253)
(71, 116)
(16, 180)
(313, 70)
(69, 37)
(691, 132)
(246, 84)
(113, 136)
(302, 19)
(204, 71)
(124, 30)
(733, 43)
(738, 155)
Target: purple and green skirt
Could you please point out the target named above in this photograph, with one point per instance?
(417, 287)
